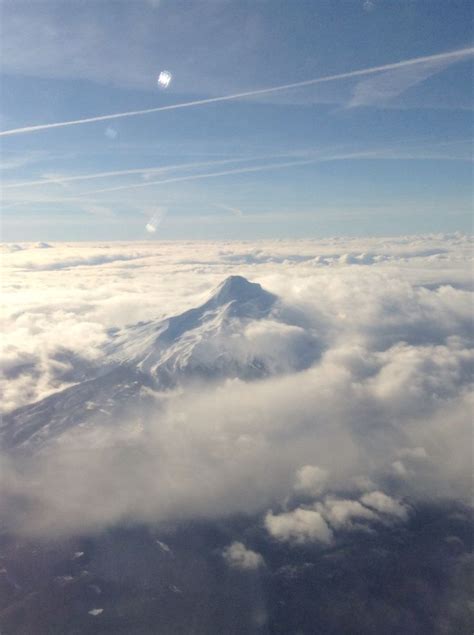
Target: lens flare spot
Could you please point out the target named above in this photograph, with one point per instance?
(164, 79)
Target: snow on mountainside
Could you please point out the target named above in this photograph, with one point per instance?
(242, 331)
(180, 343)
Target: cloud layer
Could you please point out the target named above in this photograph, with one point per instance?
(348, 444)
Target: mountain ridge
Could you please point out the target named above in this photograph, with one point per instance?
(239, 332)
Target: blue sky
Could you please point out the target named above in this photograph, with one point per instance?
(385, 152)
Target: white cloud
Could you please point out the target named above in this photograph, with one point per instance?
(368, 5)
(238, 556)
(414, 453)
(391, 381)
(399, 468)
(95, 612)
(340, 513)
(299, 526)
(385, 504)
(383, 87)
(311, 479)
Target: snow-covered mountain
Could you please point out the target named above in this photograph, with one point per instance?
(242, 332)
(196, 341)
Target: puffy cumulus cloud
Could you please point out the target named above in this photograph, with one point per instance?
(341, 513)
(311, 480)
(410, 373)
(12, 247)
(234, 447)
(299, 526)
(238, 556)
(283, 347)
(322, 521)
(383, 405)
(199, 452)
(36, 358)
(385, 504)
(399, 468)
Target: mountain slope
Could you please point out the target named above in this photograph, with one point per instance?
(179, 343)
(240, 332)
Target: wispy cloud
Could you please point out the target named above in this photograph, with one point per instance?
(207, 175)
(98, 210)
(17, 193)
(228, 208)
(441, 59)
(383, 153)
(47, 180)
(15, 160)
(385, 86)
(148, 172)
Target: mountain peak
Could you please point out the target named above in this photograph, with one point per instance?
(239, 289)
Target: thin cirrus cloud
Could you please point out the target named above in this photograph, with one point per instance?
(370, 154)
(148, 170)
(308, 156)
(228, 208)
(58, 179)
(435, 62)
(383, 87)
(208, 175)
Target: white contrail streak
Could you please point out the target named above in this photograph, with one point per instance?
(101, 175)
(150, 170)
(440, 57)
(208, 175)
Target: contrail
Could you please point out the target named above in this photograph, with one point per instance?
(100, 175)
(151, 170)
(208, 175)
(154, 170)
(441, 57)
